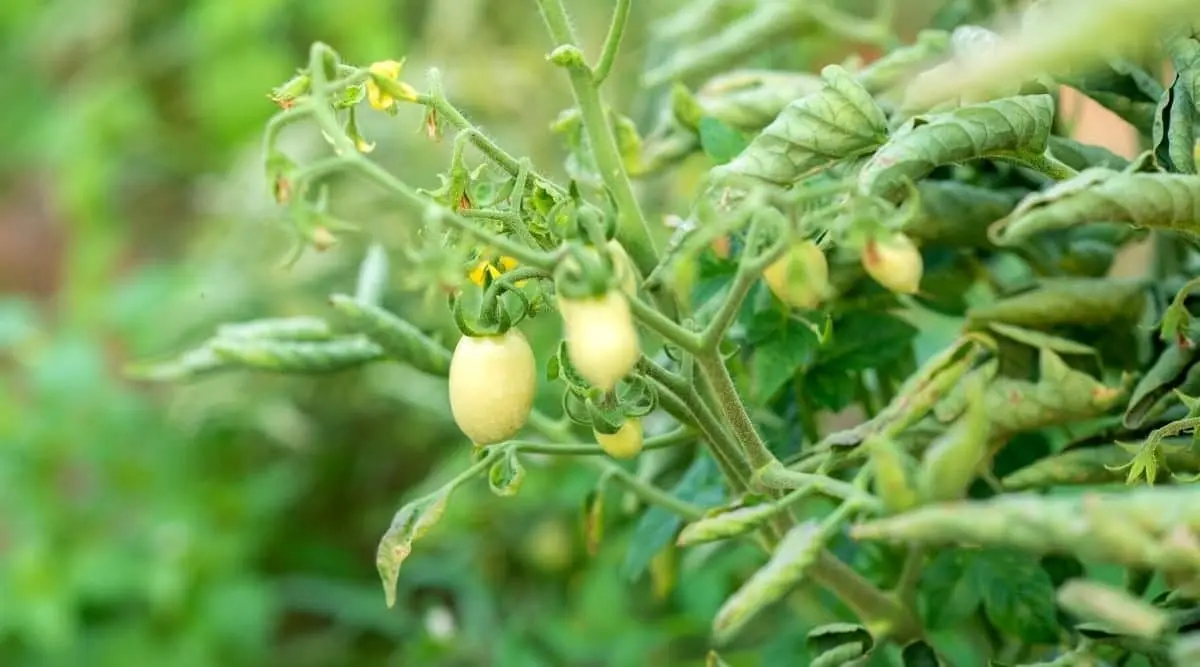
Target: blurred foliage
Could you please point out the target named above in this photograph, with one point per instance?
(233, 520)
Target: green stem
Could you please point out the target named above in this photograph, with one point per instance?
(522, 253)
(778, 477)
(663, 325)
(882, 615)
(632, 230)
(677, 437)
(681, 402)
(1048, 165)
(910, 576)
(320, 104)
(481, 141)
(712, 366)
(612, 42)
(646, 492)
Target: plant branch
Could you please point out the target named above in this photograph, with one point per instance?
(632, 230)
(712, 366)
(778, 477)
(612, 42)
(647, 492)
(481, 141)
(663, 325)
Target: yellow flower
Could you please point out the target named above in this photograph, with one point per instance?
(488, 267)
(387, 70)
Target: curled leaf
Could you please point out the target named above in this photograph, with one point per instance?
(298, 356)
(1013, 127)
(796, 552)
(893, 67)
(1121, 86)
(282, 328)
(836, 643)
(892, 474)
(399, 339)
(1086, 466)
(1150, 527)
(188, 365)
(839, 121)
(1066, 301)
(952, 462)
(1114, 608)
(751, 99)
(410, 523)
(957, 214)
(506, 475)
(1169, 371)
(726, 524)
(1156, 201)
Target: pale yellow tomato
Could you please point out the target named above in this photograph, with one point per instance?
(800, 277)
(492, 384)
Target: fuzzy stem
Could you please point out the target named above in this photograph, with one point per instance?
(714, 370)
(612, 42)
(632, 230)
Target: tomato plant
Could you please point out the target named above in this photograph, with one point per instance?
(916, 240)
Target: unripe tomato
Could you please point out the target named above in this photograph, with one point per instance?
(602, 341)
(626, 443)
(492, 383)
(800, 277)
(895, 263)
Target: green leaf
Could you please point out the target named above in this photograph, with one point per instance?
(829, 388)
(863, 339)
(948, 592)
(782, 347)
(701, 485)
(719, 141)
(1016, 593)
(1018, 596)
(840, 121)
(823, 639)
(1178, 112)
(1014, 127)
(919, 654)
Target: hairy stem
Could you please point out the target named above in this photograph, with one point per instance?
(612, 42)
(632, 230)
(715, 372)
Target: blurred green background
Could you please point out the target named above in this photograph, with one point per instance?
(233, 520)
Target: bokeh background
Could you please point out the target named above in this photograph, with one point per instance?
(233, 520)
